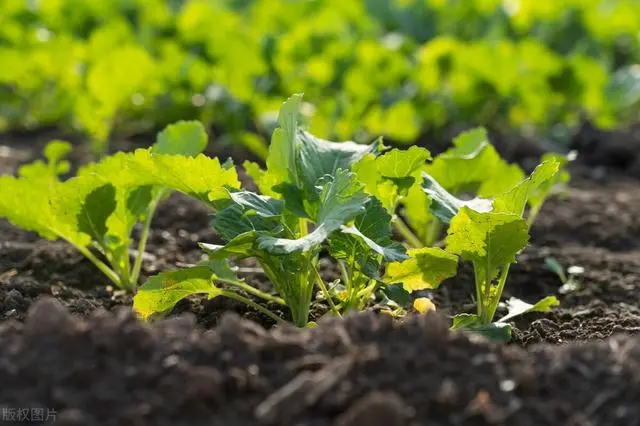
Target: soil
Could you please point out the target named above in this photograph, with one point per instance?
(109, 369)
(69, 342)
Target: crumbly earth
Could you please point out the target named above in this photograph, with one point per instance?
(69, 342)
(109, 369)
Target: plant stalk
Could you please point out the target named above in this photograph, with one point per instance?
(301, 313)
(432, 233)
(144, 237)
(254, 291)
(533, 213)
(479, 295)
(407, 233)
(106, 270)
(501, 283)
(326, 293)
(251, 303)
(346, 277)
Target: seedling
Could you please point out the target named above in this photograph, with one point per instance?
(490, 233)
(571, 280)
(96, 210)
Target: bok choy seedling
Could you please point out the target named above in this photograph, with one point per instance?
(96, 210)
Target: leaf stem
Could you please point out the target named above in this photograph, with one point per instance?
(432, 232)
(251, 303)
(366, 292)
(106, 270)
(254, 291)
(324, 290)
(479, 293)
(142, 244)
(345, 275)
(407, 233)
(533, 213)
(501, 283)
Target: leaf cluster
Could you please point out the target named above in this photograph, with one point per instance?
(97, 209)
(343, 200)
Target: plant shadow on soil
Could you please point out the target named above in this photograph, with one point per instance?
(363, 370)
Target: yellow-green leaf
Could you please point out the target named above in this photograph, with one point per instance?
(426, 268)
(161, 292)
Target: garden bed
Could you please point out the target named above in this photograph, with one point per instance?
(97, 368)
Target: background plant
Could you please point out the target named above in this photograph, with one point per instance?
(133, 66)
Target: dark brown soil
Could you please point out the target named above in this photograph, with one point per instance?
(99, 368)
(366, 370)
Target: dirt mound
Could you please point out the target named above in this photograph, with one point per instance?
(111, 370)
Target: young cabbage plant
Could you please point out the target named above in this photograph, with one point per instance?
(96, 210)
(471, 165)
(287, 243)
(490, 234)
(310, 202)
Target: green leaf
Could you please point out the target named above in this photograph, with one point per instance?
(281, 161)
(98, 205)
(426, 268)
(26, 204)
(138, 200)
(369, 236)
(222, 269)
(262, 205)
(445, 206)
(78, 212)
(56, 150)
(464, 321)
(264, 180)
(539, 194)
(161, 292)
(473, 165)
(234, 221)
(517, 307)
(392, 252)
(299, 158)
(295, 200)
(319, 157)
(390, 175)
(184, 138)
(516, 199)
(341, 200)
(552, 264)
(241, 246)
(490, 240)
(495, 331)
(417, 210)
(201, 177)
(397, 294)
(502, 181)
(402, 163)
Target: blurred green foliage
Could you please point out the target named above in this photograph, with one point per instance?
(390, 67)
